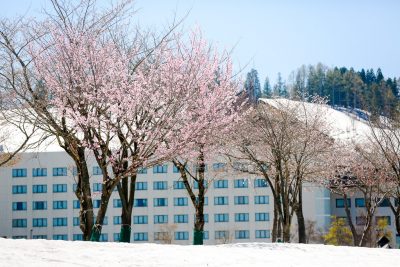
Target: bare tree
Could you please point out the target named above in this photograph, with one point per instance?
(385, 140)
(355, 174)
(286, 142)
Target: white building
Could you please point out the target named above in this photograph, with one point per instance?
(37, 200)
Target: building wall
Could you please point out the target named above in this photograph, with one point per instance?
(339, 211)
(50, 160)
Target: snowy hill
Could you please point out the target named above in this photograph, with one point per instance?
(74, 253)
(345, 125)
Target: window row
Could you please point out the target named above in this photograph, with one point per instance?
(161, 236)
(57, 171)
(360, 202)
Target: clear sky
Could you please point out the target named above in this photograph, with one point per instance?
(279, 36)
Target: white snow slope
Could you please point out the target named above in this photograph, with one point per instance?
(77, 253)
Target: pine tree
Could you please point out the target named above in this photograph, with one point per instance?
(252, 86)
(267, 91)
(339, 234)
(279, 86)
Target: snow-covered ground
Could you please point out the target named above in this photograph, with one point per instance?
(74, 253)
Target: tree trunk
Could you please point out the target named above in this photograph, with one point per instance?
(300, 218)
(97, 227)
(126, 190)
(83, 192)
(286, 232)
(275, 225)
(350, 221)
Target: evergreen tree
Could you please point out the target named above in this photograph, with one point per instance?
(279, 87)
(267, 91)
(252, 86)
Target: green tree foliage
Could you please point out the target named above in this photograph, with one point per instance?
(364, 89)
(267, 90)
(339, 234)
(280, 89)
(252, 85)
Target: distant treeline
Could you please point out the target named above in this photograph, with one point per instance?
(364, 89)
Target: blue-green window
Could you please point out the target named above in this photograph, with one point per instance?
(160, 169)
(241, 200)
(141, 202)
(39, 188)
(19, 205)
(179, 185)
(142, 170)
(220, 200)
(206, 235)
(196, 184)
(181, 218)
(117, 220)
(219, 166)
(360, 202)
(39, 222)
(141, 186)
(385, 202)
(77, 237)
(140, 236)
(19, 172)
(97, 170)
(76, 204)
(340, 202)
(60, 205)
(241, 217)
(263, 234)
(180, 201)
(19, 189)
(175, 169)
(97, 187)
(39, 205)
(221, 217)
(60, 237)
(117, 203)
(260, 183)
(221, 184)
(39, 172)
(103, 237)
(242, 234)
(19, 223)
(262, 216)
(96, 203)
(60, 171)
(160, 185)
(160, 202)
(39, 237)
(241, 183)
(261, 199)
(116, 236)
(59, 188)
(142, 219)
(158, 219)
(205, 200)
(76, 221)
(221, 234)
(61, 221)
(181, 235)
(205, 217)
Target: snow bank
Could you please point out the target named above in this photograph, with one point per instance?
(74, 253)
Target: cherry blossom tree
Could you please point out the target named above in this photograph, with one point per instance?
(209, 113)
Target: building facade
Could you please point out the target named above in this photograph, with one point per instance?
(37, 200)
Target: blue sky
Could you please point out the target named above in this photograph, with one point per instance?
(279, 36)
